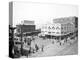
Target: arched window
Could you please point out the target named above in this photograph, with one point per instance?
(49, 27)
(53, 27)
(57, 28)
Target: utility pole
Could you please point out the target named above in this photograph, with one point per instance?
(11, 40)
(21, 26)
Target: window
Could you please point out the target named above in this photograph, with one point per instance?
(53, 27)
(61, 27)
(49, 27)
(62, 32)
(53, 32)
(49, 32)
(65, 32)
(57, 28)
(57, 32)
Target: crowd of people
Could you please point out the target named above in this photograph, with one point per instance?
(30, 47)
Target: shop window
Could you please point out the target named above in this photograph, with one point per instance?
(53, 32)
(49, 32)
(57, 32)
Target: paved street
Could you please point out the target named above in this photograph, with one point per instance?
(70, 50)
(55, 49)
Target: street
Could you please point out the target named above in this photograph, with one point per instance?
(55, 49)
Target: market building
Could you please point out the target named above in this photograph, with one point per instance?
(68, 24)
(51, 29)
(60, 26)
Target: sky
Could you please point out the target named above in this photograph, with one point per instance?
(41, 13)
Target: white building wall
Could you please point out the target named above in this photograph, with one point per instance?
(51, 29)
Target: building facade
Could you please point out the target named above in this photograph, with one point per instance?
(26, 26)
(51, 29)
(60, 26)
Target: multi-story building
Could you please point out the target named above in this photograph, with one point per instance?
(51, 29)
(24, 29)
(68, 24)
(60, 26)
(26, 26)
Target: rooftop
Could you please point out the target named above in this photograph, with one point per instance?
(64, 20)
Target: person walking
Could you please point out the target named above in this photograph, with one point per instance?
(42, 48)
(37, 48)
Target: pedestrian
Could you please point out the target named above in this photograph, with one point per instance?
(36, 47)
(26, 48)
(42, 48)
(60, 43)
